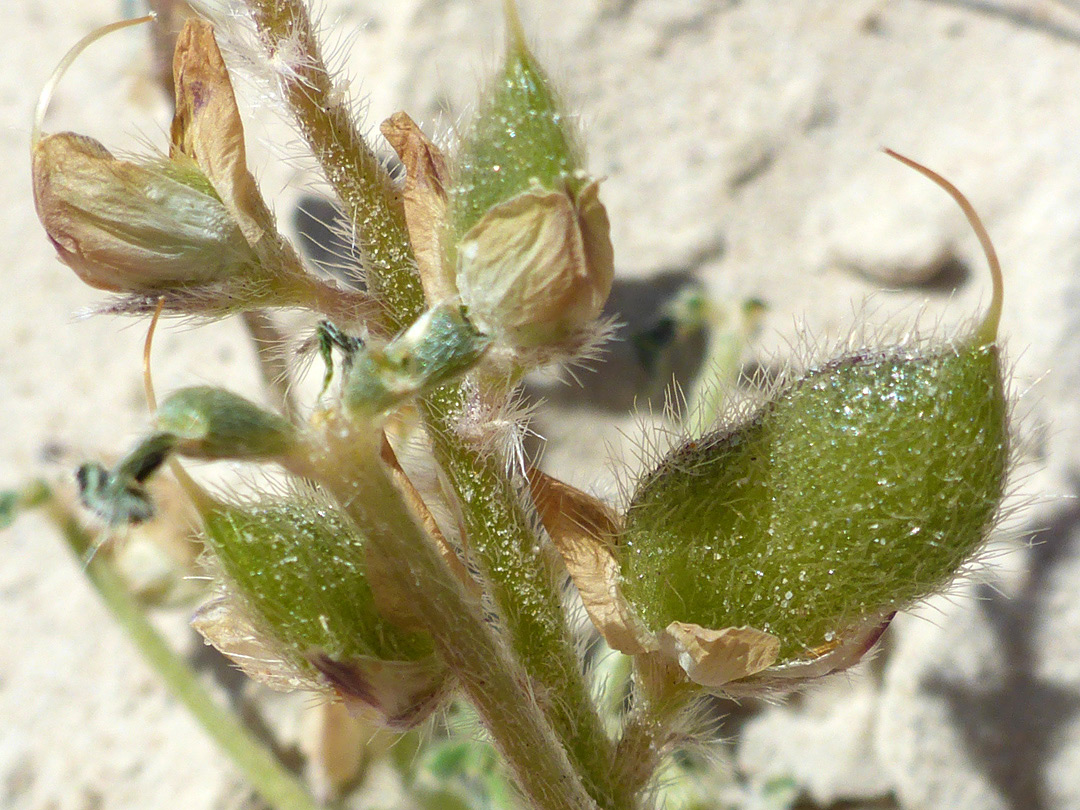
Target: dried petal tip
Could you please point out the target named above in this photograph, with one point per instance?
(207, 128)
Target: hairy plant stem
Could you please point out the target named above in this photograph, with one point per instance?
(279, 788)
(348, 162)
(660, 695)
(346, 460)
(499, 529)
(524, 586)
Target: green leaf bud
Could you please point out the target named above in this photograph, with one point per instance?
(212, 423)
(530, 240)
(297, 589)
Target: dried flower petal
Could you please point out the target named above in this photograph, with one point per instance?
(207, 127)
(714, 658)
(537, 269)
(583, 530)
(424, 196)
(127, 226)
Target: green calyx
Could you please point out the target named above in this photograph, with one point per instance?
(520, 139)
(299, 568)
(440, 345)
(864, 486)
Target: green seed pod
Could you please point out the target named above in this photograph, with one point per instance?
(860, 487)
(520, 138)
(212, 423)
(863, 486)
(776, 550)
(300, 610)
(530, 239)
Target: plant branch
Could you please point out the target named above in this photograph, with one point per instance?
(358, 178)
(270, 345)
(660, 695)
(525, 589)
(346, 460)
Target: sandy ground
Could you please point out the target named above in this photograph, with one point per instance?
(740, 141)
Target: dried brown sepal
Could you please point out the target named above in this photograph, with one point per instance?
(207, 127)
(583, 530)
(424, 195)
(398, 694)
(393, 604)
(536, 269)
(716, 658)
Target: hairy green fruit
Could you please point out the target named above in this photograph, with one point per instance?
(301, 569)
(519, 139)
(298, 610)
(861, 487)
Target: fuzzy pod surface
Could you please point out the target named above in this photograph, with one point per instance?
(301, 572)
(520, 139)
(862, 486)
(214, 423)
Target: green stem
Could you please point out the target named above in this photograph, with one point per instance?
(524, 585)
(660, 696)
(279, 788)
(351, 167)
(346, 460)
(528, 597)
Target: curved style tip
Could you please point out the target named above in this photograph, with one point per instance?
(515, 31)
(986, 333)
(148, 344)
(45, 98)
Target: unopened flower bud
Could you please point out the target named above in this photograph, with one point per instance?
(212, 423)
(531, 240)
(440, 345)
(133, 226)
